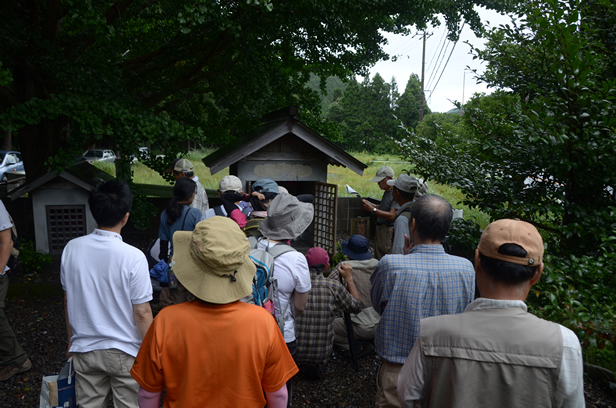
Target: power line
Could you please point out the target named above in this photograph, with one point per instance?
(442, 52)
(433, 55)
(390, 61)
(439, 59)
(453, 48)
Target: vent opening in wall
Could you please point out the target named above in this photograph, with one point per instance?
(64, 222)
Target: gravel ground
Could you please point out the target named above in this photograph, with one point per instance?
(39, 324)
(40, 327)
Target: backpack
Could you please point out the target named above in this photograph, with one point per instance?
(13, 263)
(218, 211)
(251, 229)
(264, 284)
(406, 213)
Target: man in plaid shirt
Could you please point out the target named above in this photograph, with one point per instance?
(407, 288)
(315, 336)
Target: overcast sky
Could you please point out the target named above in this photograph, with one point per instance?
(450, 86)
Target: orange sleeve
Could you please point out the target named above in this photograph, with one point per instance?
(147, 369)
(279, 367)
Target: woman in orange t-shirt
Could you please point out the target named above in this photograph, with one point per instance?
(214, 351)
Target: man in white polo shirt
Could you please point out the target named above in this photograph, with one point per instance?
(107, 293)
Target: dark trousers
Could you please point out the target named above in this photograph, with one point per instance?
(292, 346)
(11, 352)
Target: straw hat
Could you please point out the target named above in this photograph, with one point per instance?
(287, 218)
(213, 261)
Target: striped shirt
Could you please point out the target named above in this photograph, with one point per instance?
(315, 337)
(406, 288)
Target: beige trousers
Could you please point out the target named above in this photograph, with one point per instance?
(387, 385)
(341, 338)
(101, 374)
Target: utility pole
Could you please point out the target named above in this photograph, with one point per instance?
(423, 66)
(463, 86)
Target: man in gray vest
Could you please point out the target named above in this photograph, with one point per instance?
(495, 353)
(385, 212)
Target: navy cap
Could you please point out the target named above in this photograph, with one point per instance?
(357, 248)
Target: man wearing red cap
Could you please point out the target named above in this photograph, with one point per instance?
(315, 335)
(495, 353)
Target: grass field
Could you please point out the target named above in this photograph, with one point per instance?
(336, 175)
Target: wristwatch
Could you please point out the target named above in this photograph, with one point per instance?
(374, 210)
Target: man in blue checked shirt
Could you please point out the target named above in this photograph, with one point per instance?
(407, 288)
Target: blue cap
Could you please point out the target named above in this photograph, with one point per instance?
(265, 186)
(357, 248)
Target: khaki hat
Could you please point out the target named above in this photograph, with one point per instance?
(405, 183)
(181, 165)
(383, 172)
(213, 269)
(518, 232)
(287, 218)
(230, 183)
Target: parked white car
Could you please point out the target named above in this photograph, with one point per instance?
(99, 155)
(11, 165)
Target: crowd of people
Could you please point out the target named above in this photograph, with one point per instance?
(449, 333)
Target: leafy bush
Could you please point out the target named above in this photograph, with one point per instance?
(32, 261)
(580, 293)
(463, 238)
(339, 257)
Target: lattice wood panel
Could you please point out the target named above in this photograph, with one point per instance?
(325, 207)
(64, 222)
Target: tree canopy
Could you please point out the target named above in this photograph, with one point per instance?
(366, 112)
(407, 107)
(543, 148)
(159, 72)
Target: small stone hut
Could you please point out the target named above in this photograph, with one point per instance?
(60, 205)
(296, 157)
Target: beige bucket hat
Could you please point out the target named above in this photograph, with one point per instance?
(213, 261)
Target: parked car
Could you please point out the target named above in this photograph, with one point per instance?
(144, 153)
(99, 155)
(11, 165)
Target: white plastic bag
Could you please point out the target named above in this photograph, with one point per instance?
(58, 390)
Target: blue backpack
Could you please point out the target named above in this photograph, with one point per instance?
(264, 284)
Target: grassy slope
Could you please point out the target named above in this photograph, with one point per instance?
(336, 175)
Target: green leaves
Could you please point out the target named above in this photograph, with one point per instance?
(5, 76)
(544, 149)
(579, 292)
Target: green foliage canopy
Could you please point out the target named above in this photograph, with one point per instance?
(543, 148)
(367, 112)
(407, 106)
(158, 72)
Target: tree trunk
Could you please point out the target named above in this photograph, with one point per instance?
(38, 143)
(7, 142)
